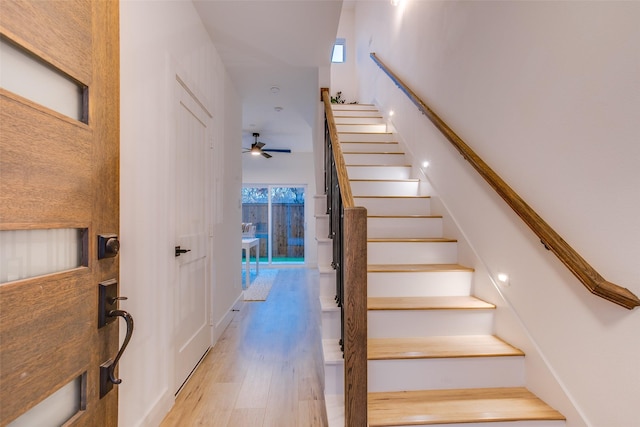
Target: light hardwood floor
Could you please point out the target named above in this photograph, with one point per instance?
(266, 369)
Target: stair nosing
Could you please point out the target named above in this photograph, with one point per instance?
(411, 240)
(424, 407)
(427, 303)
(399, 268)
(440, 347)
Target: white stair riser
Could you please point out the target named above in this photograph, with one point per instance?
(373, 159)
(365, 137)
(426, 323)
(445, 373)
(404, 227)
(334, 378)
(320, 204)
(327, 284)
(322, 226)
(384, 188)
(399, 206)
(423, 284)
(325, 253)
(379, 172)
(412, 252)
(362, 128)
(352, 114)
(370, 147)
(357, 120)
(331, 324)
(354, 107)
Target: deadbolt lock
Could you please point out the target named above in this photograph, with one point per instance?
(108, 245)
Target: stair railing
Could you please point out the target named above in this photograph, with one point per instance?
(348, 230)
(551, 240)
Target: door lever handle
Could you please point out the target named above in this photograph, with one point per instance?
(107, 369)
(181, 251)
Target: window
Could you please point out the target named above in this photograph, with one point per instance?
(278, 214)
(339, 51)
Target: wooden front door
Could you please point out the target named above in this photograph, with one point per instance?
(58, 192)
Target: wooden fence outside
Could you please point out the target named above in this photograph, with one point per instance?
(288, 227)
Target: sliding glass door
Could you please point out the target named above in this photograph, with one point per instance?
(277, 212)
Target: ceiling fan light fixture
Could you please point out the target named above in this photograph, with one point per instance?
(255, 151)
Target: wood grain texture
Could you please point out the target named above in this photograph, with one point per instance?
(439, 347)
(38, 163)
(427, 303)
(62, 37)
(267, 367)
(589, 277)
(409, 239)
(457, 406)
(394, 268)
(355, 316)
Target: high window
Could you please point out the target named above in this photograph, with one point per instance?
(339, 53)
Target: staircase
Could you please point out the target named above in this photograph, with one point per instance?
(433, 358)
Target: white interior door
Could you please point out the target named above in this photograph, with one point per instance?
(192, 290)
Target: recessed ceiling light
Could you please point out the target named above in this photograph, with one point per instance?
(278, 109)
(275, 89)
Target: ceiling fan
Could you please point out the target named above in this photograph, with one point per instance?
(258, 150)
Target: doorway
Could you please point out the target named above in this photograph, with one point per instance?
(277, 212)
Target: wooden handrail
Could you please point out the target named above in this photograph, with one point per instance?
(589, 277)
(343, 178)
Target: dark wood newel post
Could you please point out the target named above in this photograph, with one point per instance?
(355, 302)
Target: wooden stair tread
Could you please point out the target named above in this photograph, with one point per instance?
(373, 152)
(391, 197)
(401, 268)
(457, 406)
(427, 303)
(364, 133)
(404, 216)
(439, 347)
(369, 142)
(378, 166)
(384, 180)
(411, 240)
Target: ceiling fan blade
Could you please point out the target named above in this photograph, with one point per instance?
(278, 150)
(265, 155)
(258, 144)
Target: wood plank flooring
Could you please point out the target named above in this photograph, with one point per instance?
(266, 369)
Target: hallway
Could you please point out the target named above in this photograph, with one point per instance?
(266, 368)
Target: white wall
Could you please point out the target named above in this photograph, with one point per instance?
(548, 93)
(343, 75)
(157, 40)
(294, 168)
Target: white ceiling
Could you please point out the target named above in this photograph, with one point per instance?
(267, 43)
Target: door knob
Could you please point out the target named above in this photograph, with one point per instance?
(181, 251)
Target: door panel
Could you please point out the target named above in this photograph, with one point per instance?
(57, 172)
(192, 328)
